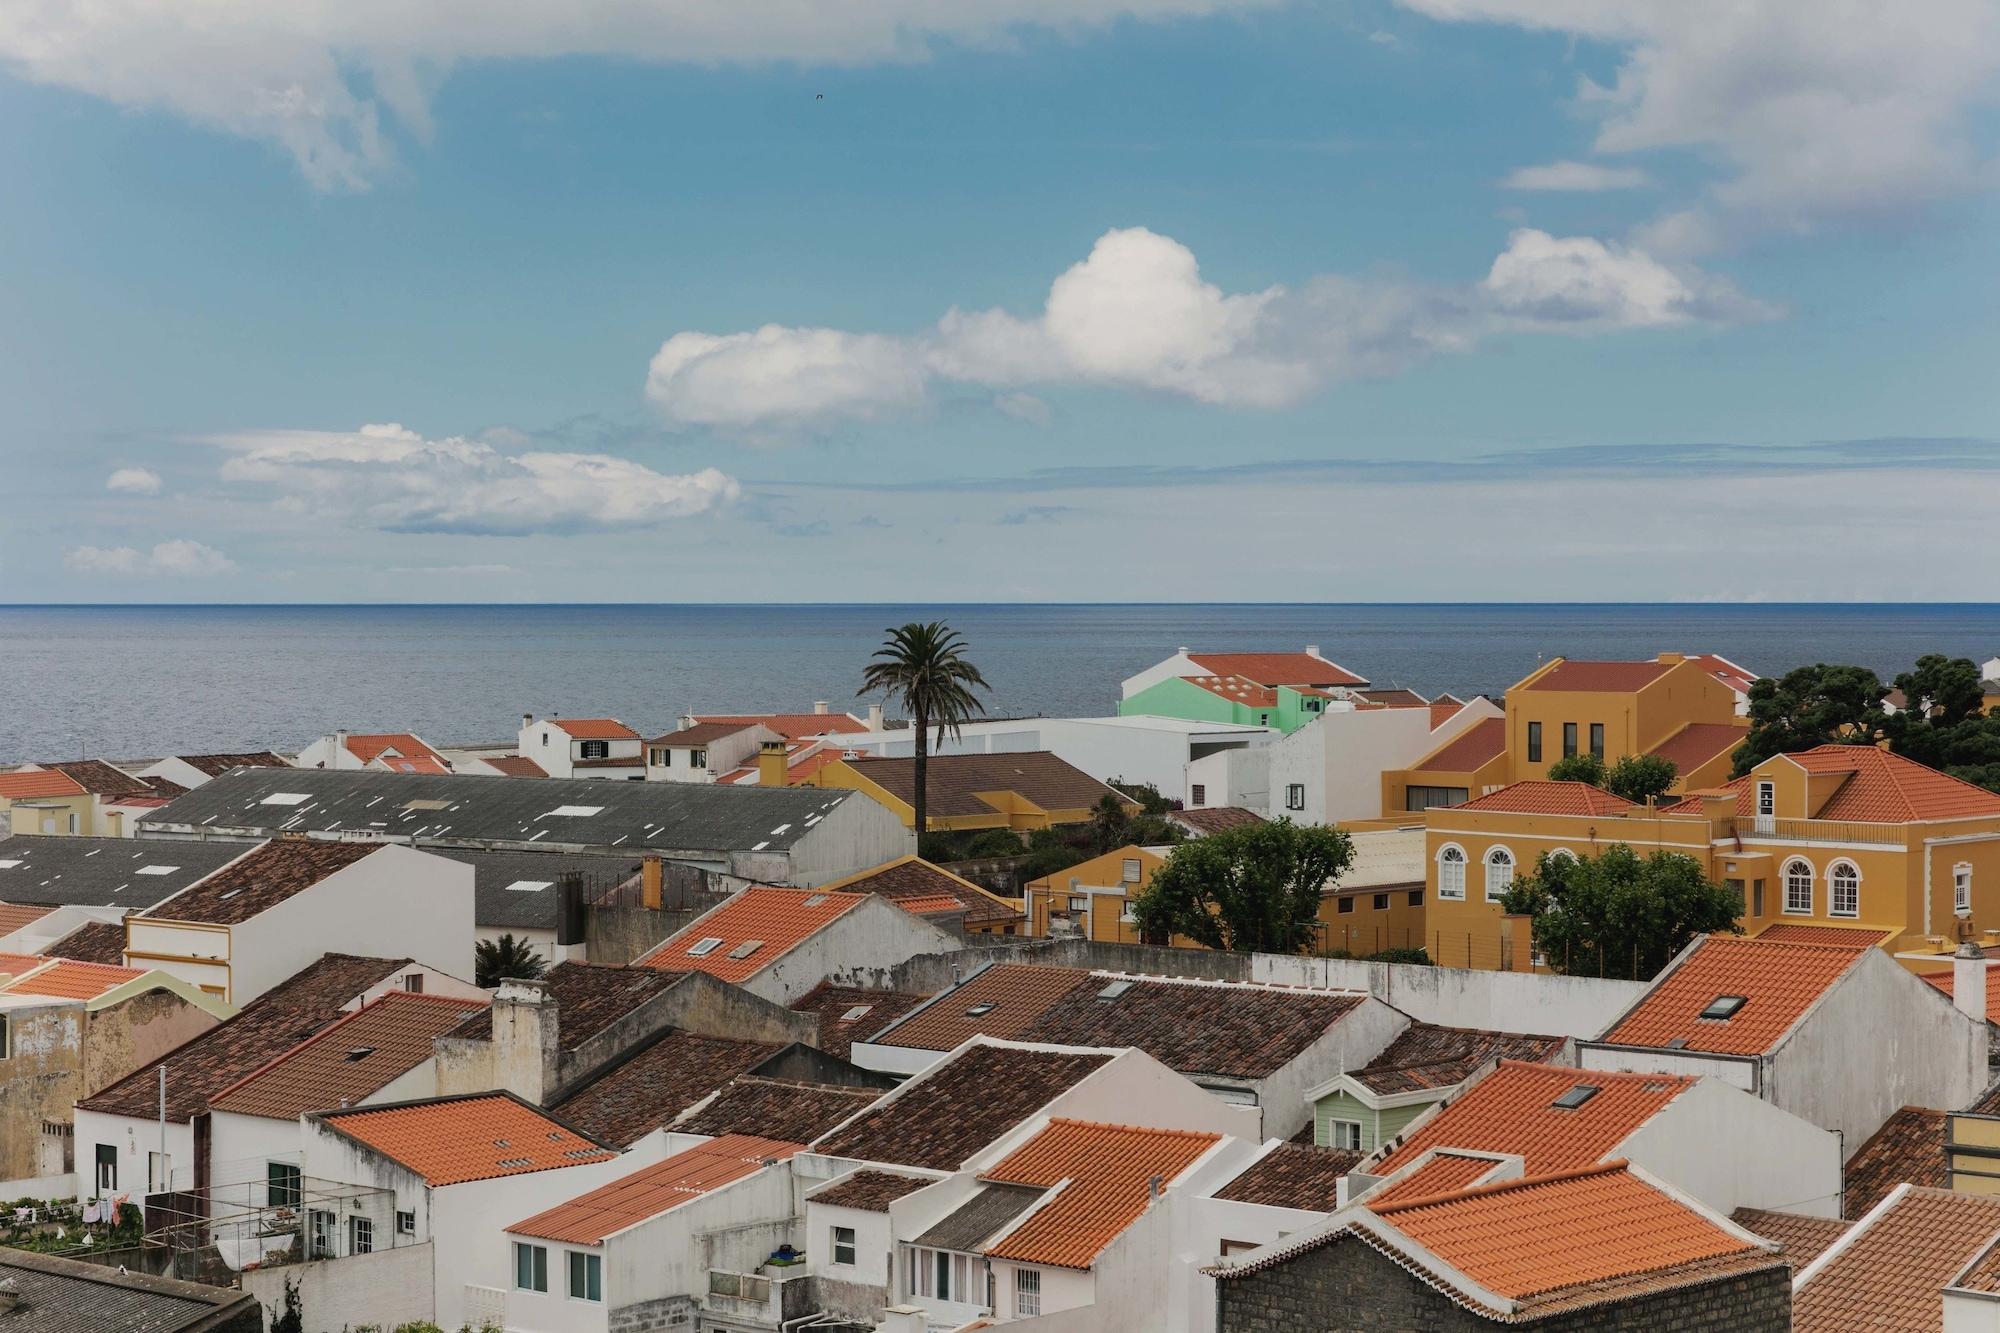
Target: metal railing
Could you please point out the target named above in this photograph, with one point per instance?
(1827, 831)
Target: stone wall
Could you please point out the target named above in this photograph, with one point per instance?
(668, 1312)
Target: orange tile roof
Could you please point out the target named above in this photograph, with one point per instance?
(72, 980)
(1236, 689)
(1601, 677)
(1108, 1168)
(594, 728)
(1737, 678)
(1881, 788)
(589, 1219)
(35, 783)
(775, 920)
(1446, 1173)
(1549, 798)
(14, 964)
(1942, 980)
(1847, 937)
(449, 1140)
(930, 904)
(1523, 1238)
(1443, 709)
(1778, 979)
(1885, 1277)
(515, 765)
(1512, 1110)
(792, 726)
(1276, 668)
(367, 747)
(350, 1060)
(13, 916)
(1698, 743)
(422, 763)
(1479, 744)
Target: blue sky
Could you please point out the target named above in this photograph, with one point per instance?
(1181, 299)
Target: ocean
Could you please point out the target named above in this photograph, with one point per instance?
(136, 681)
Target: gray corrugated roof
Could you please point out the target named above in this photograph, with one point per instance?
(60, 871)
(476, 809)
(65, 1296)
(495, 903)
(975, 1221)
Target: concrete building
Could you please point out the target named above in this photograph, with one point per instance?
(188, 771)
(1283, 690)
(384, 751)
(1329, 770)
(583, 747)
(1094, 897)
(704, 751)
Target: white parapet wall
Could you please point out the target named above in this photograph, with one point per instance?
(1535, 1002)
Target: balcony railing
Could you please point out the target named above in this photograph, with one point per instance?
(1824, 831)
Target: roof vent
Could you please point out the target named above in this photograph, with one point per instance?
(1678, 1044)
(1576, 1096)
(981, 1010)
(359, 1052)
(1116, 989)
(745, 949)
(1724, 1007)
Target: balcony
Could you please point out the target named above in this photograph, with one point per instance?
(1832, 831)
(768, 1299)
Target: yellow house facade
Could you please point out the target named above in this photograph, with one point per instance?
(36, 802)
(1097, 895)
(1022, 791)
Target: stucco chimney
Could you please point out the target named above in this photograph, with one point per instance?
(902, 1319)
(1968, 980)
(1312, 650)
(1672, 659)
(819, 708)
(527, 720)
(874, 717)
(771, 766)
(524, 1039)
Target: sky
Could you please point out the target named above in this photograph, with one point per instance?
(904, 301)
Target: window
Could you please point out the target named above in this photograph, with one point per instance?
(704, 946)
(1569, 740)
(319, 1233)
(1767, 798)
(158, 1173)
(1381, 903)
(1079, 902)
(107, 1168)
(596, 749)
(586, 1276)
(413, 982)
(1197, 795)
(545, 738)
(531, 1267)
(1295, 796)
(1576, 1096)
(1735, 887)
(1597, 739)
(1346, 906)
(1798, 888)
(1416, 897)
(658, 757)
(1499, 873)
(1451, 873)
(697, 759)
(281, 1185)
(1961, 889)
(1534, 742)
(406, 1224)
(1723, 1008)
(1131, 869)
(1344, 1134)
(360, 1235)
(3, 1037)
(1427, 798)
(1843, 889)
(843, 1245)
(75, 824)
(1756, 897)
(1027, 1292)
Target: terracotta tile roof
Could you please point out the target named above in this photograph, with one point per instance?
(1236, 689)
(1737, 678)
(349, 1061)
(1512, 1110)
(451, 1140)
(589, 998)
(32, 785)
(955, 781)
(163, 787)
(653, 1084)
(1443, 709)
(753, 929)
(261, 880)
(701, 734)
(1907, 1150)
(1426, 1056)
(1549, 798)
(594, 728)
(1804, 1238)
(1881, 788)
(1478, 745)
(1697, 743)
(1446, 1173)
(1526, 1238)
(215, 765)
(92, 942)
(274, 1022)
(942, 1117)
(1276, 668)
(72, 980)
(832, 1004)
(1018, 993)
(101, 779)
(1885, 1277)
(13, 916)
(1601, 677)
(1778, 981)
(1846, 937)
(869, 1190)
(911, 879)
(368, 746)
(1943, 981)
(1108, 1169)
(776, 1107)
(515, 766)
(19, 964)
(1293, 1175)
(397, 763)
(589, 1219)
(1215, 818)
(794, 725)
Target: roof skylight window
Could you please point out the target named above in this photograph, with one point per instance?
(577, 811)
(358, 1052)
(1576, 1096)
(745, 949)
(285, 798)
(705, 946)
(1116, 989)
(142, 870)
(815, 900)
(1724, 1007)
(857, 1011)
(981, 1010)
(529, 885)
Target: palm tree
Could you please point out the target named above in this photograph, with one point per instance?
(923, 667)
(494, 961)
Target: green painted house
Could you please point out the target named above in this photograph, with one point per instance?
(1365, 1108)
(1281, 690)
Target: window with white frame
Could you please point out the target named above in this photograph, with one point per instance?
(1344, 1134)
(1767, 798)
(945, 1275)
(843, 1245)
(1798, 887)
(1499, 873)
(1027, 1292)
(1843, 889)
(406, 1223)
(1961, 888)
(1451, 873)
(531, 1267)
(596, 749)
(360, 1235)
(586, 1276)
(1295, 796)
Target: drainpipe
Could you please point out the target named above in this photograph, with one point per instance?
(168, 1185)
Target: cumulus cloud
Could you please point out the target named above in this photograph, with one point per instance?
(1136, 314)
(170, 559)
(389, 477)
(1576, 178)
(1839, 110)
(325, 82)
(134, 481)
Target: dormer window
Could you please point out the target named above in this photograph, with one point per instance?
(1723, 1007)
(1576, 1097)
(596, 749)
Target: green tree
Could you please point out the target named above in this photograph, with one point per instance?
(1619, 914)
(922, 666)
(1585, 767)
(493, 961)
(1146, 794)
(1942, 722)
(1255, 888)
(1809, 706)
(1640, 777)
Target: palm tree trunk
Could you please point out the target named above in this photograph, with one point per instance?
(923, 795)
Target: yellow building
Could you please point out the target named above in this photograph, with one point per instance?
(1678, 707)
(1378, 901)
(1840, 837)
(1021, 791)
(1096, 895)
(40, 802)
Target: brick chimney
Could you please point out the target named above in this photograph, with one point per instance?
(771, 765)
(525, 1039)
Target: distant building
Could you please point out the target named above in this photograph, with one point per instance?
(188, 771)
(1023, 791)
(1282, 690)
(388, 751)
(583, 747)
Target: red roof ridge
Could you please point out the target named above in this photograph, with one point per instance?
(1495, 1187)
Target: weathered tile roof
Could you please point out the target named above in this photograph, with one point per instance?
(1428, 1056)
(869, 1190)
(69, 979)
(101, 779)
(1393, 698)
(987, 1211)
(451, 1140)
(69, 1296)
(500, 893)
(13, 916)
(1277, 668)
(589, 998)
(1778, 981)
(589, 1219)
(1886, 1275)
(1512, 1110)
(369, 746)
(127, 873)
(1804, 1238)
(1537, 797)
(515, 765)
(751, 931)
(940, 1118)
(215, 765)
(1943, 982)
(594, 729)
(1600, 677)
(910, 880)
(92, 942)
(955, 781)
(1907, 1150)
(776, 1108)
(654, 1083)
(700, 734)
(1209, 819)
(792, 726)
(349, 1061)
(1018, 993)
(1108, 1169)
(274, 1022)
(1478, 745)
(34, 783)
(1697, 743)
(833, 1004)
(1236, 689)
(260, 881)
(1293, 1175)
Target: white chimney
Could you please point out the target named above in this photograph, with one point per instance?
(819, 708)
(339, 748)
(527, 720)
(1182, 650)
(902, 1319)
(874, 717)
(1968, 980)
(1312, 650)
(525, 1039)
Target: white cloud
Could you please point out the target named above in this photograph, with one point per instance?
(170, 559)
(388, 477)
(134, 481)
(1823, 111)
(323, 80)
(1576, 177)
(1136, 314)
(1023, 407)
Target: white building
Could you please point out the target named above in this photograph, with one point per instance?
(390, 751)
(1330, 770)
(583, 747)
(703, 751)
(191, 770)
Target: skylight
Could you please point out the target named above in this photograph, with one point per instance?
(858, 1011)
(1115, 989)
(142, 870)
(815, 900)
(577, 811)
(1576, 1096)
(9, 865)
(981, 1010)
(745, 949)
(427, 804)
(1724, 1007)
(705, 946)
(359, 1052)
(231, 893)
(285, 798)
(529, 885)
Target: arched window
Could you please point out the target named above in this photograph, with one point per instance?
(1451, 872)
(1798, 887)
(1843, 889)
(1562, 854)
(1499, 873)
